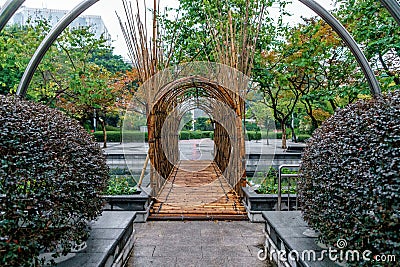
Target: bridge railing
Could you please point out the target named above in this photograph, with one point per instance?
(288, 177)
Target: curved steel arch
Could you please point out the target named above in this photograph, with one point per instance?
(393, 7)
(350, 42)
(47, 42)
(8, 10)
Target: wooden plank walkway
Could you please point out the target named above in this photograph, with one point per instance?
(197, 190)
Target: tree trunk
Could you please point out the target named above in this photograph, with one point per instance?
(120, 133)
(309, 110)
(333, 105)
(283, 127)
(103, 124)
(294, 138)
(314, 123)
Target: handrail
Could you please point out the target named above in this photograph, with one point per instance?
(280, 176)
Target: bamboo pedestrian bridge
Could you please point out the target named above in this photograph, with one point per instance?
(203, 194)
(187, 189)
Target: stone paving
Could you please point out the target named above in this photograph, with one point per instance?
(197, 243)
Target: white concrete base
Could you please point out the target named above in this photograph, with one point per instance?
(123, 256)
(254, 216)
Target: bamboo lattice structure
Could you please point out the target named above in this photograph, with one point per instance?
(217, 88)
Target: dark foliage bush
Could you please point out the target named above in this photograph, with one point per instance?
(51, 176)
(350, 184)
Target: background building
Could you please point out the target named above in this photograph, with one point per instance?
(24, 14)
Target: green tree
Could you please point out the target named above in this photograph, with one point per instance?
(203, 124)
(17, 45)
(200, 31)
(376, 30)
(323, 69)
(78, 74)
(260, 112)
(93, 94)
(113, 63)
(272, 72)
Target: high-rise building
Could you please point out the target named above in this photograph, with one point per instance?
(24, 14)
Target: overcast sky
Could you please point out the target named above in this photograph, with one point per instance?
(107, 8)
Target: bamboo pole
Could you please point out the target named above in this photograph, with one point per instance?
(143, 170)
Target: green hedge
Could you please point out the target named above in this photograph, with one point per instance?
(132, 136)
(115, 136)
(271, 135)
(195, 135)
(349, 177)
(253, 135)
(112, 128)
(186, 135)
(303, 137)
(99, 128)
(206, 134)
(252, 127)
(135, 136)
(278, 135)
(111, 136)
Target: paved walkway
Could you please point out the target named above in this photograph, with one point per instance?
(198, 243)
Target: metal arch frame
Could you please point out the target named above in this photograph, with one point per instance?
(8, 10)
(393, 7)
(47, 42)
(12, 6)
(350, 42)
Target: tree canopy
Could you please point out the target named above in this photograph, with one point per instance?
(302, 69)
(78, 74)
